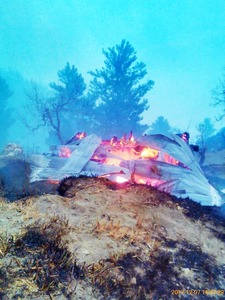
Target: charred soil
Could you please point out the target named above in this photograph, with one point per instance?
(94, 239)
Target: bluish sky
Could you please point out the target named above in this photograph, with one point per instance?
(182, 43)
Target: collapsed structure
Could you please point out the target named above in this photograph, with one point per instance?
(166, 162)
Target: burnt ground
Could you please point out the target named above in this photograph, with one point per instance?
(93, 239)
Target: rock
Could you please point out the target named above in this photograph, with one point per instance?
(15, 180)
(14, 177)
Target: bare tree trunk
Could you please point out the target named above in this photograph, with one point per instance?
(57, 126)
(58, 130)
(60, 137)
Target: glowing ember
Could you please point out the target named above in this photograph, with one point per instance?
(149, 153)
(80, 135)
(170, 160)
(112, 161)
(185, 136)
(64, 152)
(147, 180)
(142, 181)
(53, 181)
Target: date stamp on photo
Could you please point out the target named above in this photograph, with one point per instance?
(210, 292)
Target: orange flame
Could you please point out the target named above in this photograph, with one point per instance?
(170, 160)
(81, 135)
(149, 153)
(132, 139)
(113, 141)
(64, 152)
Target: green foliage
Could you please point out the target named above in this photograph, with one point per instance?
(113, 105)
(71, 86)
(118, 91)
(205, 129)
(160, 126)
(215, 142)
(67, 104)
(60, 111)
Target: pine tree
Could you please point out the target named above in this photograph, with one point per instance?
(119, 90)
(160, 126)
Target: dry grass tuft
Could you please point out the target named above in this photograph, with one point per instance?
(6, 244)
(38, 261)
(117, 231)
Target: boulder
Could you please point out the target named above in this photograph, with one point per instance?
(14, 177)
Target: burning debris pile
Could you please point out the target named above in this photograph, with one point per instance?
(165, 162)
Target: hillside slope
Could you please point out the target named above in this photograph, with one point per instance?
(99, 240)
